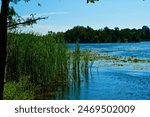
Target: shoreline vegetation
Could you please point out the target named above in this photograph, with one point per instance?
(106, 35)
(43, 67)
(38, 67)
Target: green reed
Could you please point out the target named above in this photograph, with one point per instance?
(45, 59)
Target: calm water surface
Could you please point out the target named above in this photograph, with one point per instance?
(109, 81)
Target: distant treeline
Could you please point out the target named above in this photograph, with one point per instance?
(88, 35)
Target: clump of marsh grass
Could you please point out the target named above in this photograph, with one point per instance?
(43, 58)
(76, 62)
(46, 60)
(81, 63)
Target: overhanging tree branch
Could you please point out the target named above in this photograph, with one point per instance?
(27, 22)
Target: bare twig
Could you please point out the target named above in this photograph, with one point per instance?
(30, 21)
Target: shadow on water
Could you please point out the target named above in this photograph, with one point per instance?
(73, 89)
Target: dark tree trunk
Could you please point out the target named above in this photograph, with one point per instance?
(3, 43)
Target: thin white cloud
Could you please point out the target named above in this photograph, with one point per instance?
(47, 14)
(43, 29)
(54, 13)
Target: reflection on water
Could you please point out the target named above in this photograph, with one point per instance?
(111, 79)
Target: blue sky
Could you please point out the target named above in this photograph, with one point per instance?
(65, 14)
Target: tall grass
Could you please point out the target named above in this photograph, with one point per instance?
(45, 59)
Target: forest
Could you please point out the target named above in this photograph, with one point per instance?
(89, 35)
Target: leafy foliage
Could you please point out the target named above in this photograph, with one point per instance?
(91, 1)
(88, 35)
(22, 90)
